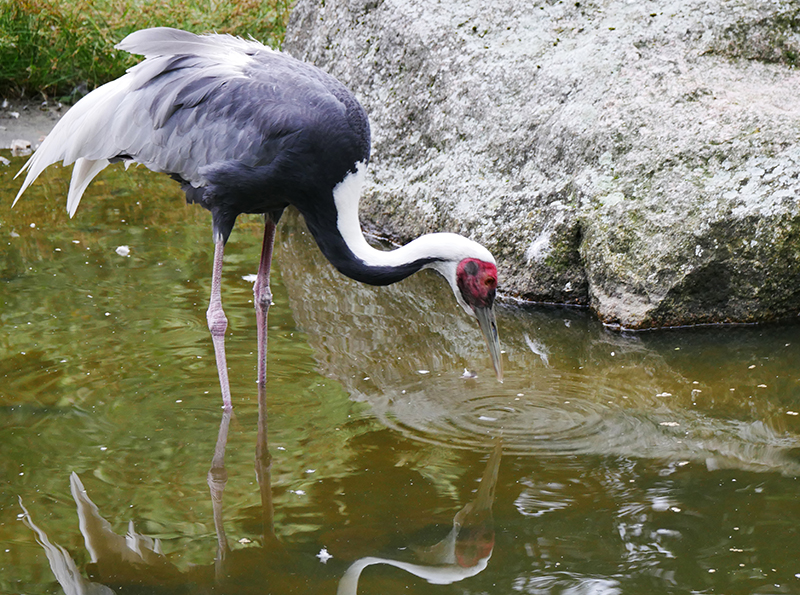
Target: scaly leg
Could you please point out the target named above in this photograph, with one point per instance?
(218, 324)
(262, 296)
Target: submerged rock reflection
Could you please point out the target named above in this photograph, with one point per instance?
(571, 385)
(120, 562)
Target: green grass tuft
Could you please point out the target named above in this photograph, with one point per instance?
(52, 47)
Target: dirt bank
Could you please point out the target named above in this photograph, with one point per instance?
(27, 120)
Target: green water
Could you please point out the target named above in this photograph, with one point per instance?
(663, 462)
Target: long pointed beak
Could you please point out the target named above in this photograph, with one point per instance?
(488, 325)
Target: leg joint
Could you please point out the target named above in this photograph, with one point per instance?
(262, 298)
(217, 322)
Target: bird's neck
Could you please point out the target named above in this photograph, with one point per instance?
(342, 241)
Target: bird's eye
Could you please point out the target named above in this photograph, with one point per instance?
(490, 281)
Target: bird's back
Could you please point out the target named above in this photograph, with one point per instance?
(243, 127)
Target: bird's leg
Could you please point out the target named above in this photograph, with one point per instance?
(218, 324)
(262, 296)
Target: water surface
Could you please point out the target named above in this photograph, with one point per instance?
(660, 462)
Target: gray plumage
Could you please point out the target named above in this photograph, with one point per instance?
(203, 109)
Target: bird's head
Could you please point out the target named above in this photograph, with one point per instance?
(469, 268)
(475, 288)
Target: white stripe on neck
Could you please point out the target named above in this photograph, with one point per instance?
(440, 246)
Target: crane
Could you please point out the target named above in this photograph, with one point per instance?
(247, 129)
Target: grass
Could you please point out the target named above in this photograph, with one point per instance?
(53, 47)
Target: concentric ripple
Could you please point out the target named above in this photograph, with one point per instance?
(566, 413)
(562, 416)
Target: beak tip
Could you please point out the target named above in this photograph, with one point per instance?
(499, 372)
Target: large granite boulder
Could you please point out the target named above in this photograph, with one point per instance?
(641, 158)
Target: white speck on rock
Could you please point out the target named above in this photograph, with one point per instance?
(539, 248)
(613, 198)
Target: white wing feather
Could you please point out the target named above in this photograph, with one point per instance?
(84, 172)
(76, 134)
(104, 125)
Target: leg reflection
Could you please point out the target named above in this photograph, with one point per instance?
(217, 479)
(263, 465)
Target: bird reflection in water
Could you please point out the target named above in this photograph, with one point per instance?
(136, 560)
(463, 553)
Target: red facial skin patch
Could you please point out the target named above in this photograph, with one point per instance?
(477, 281)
